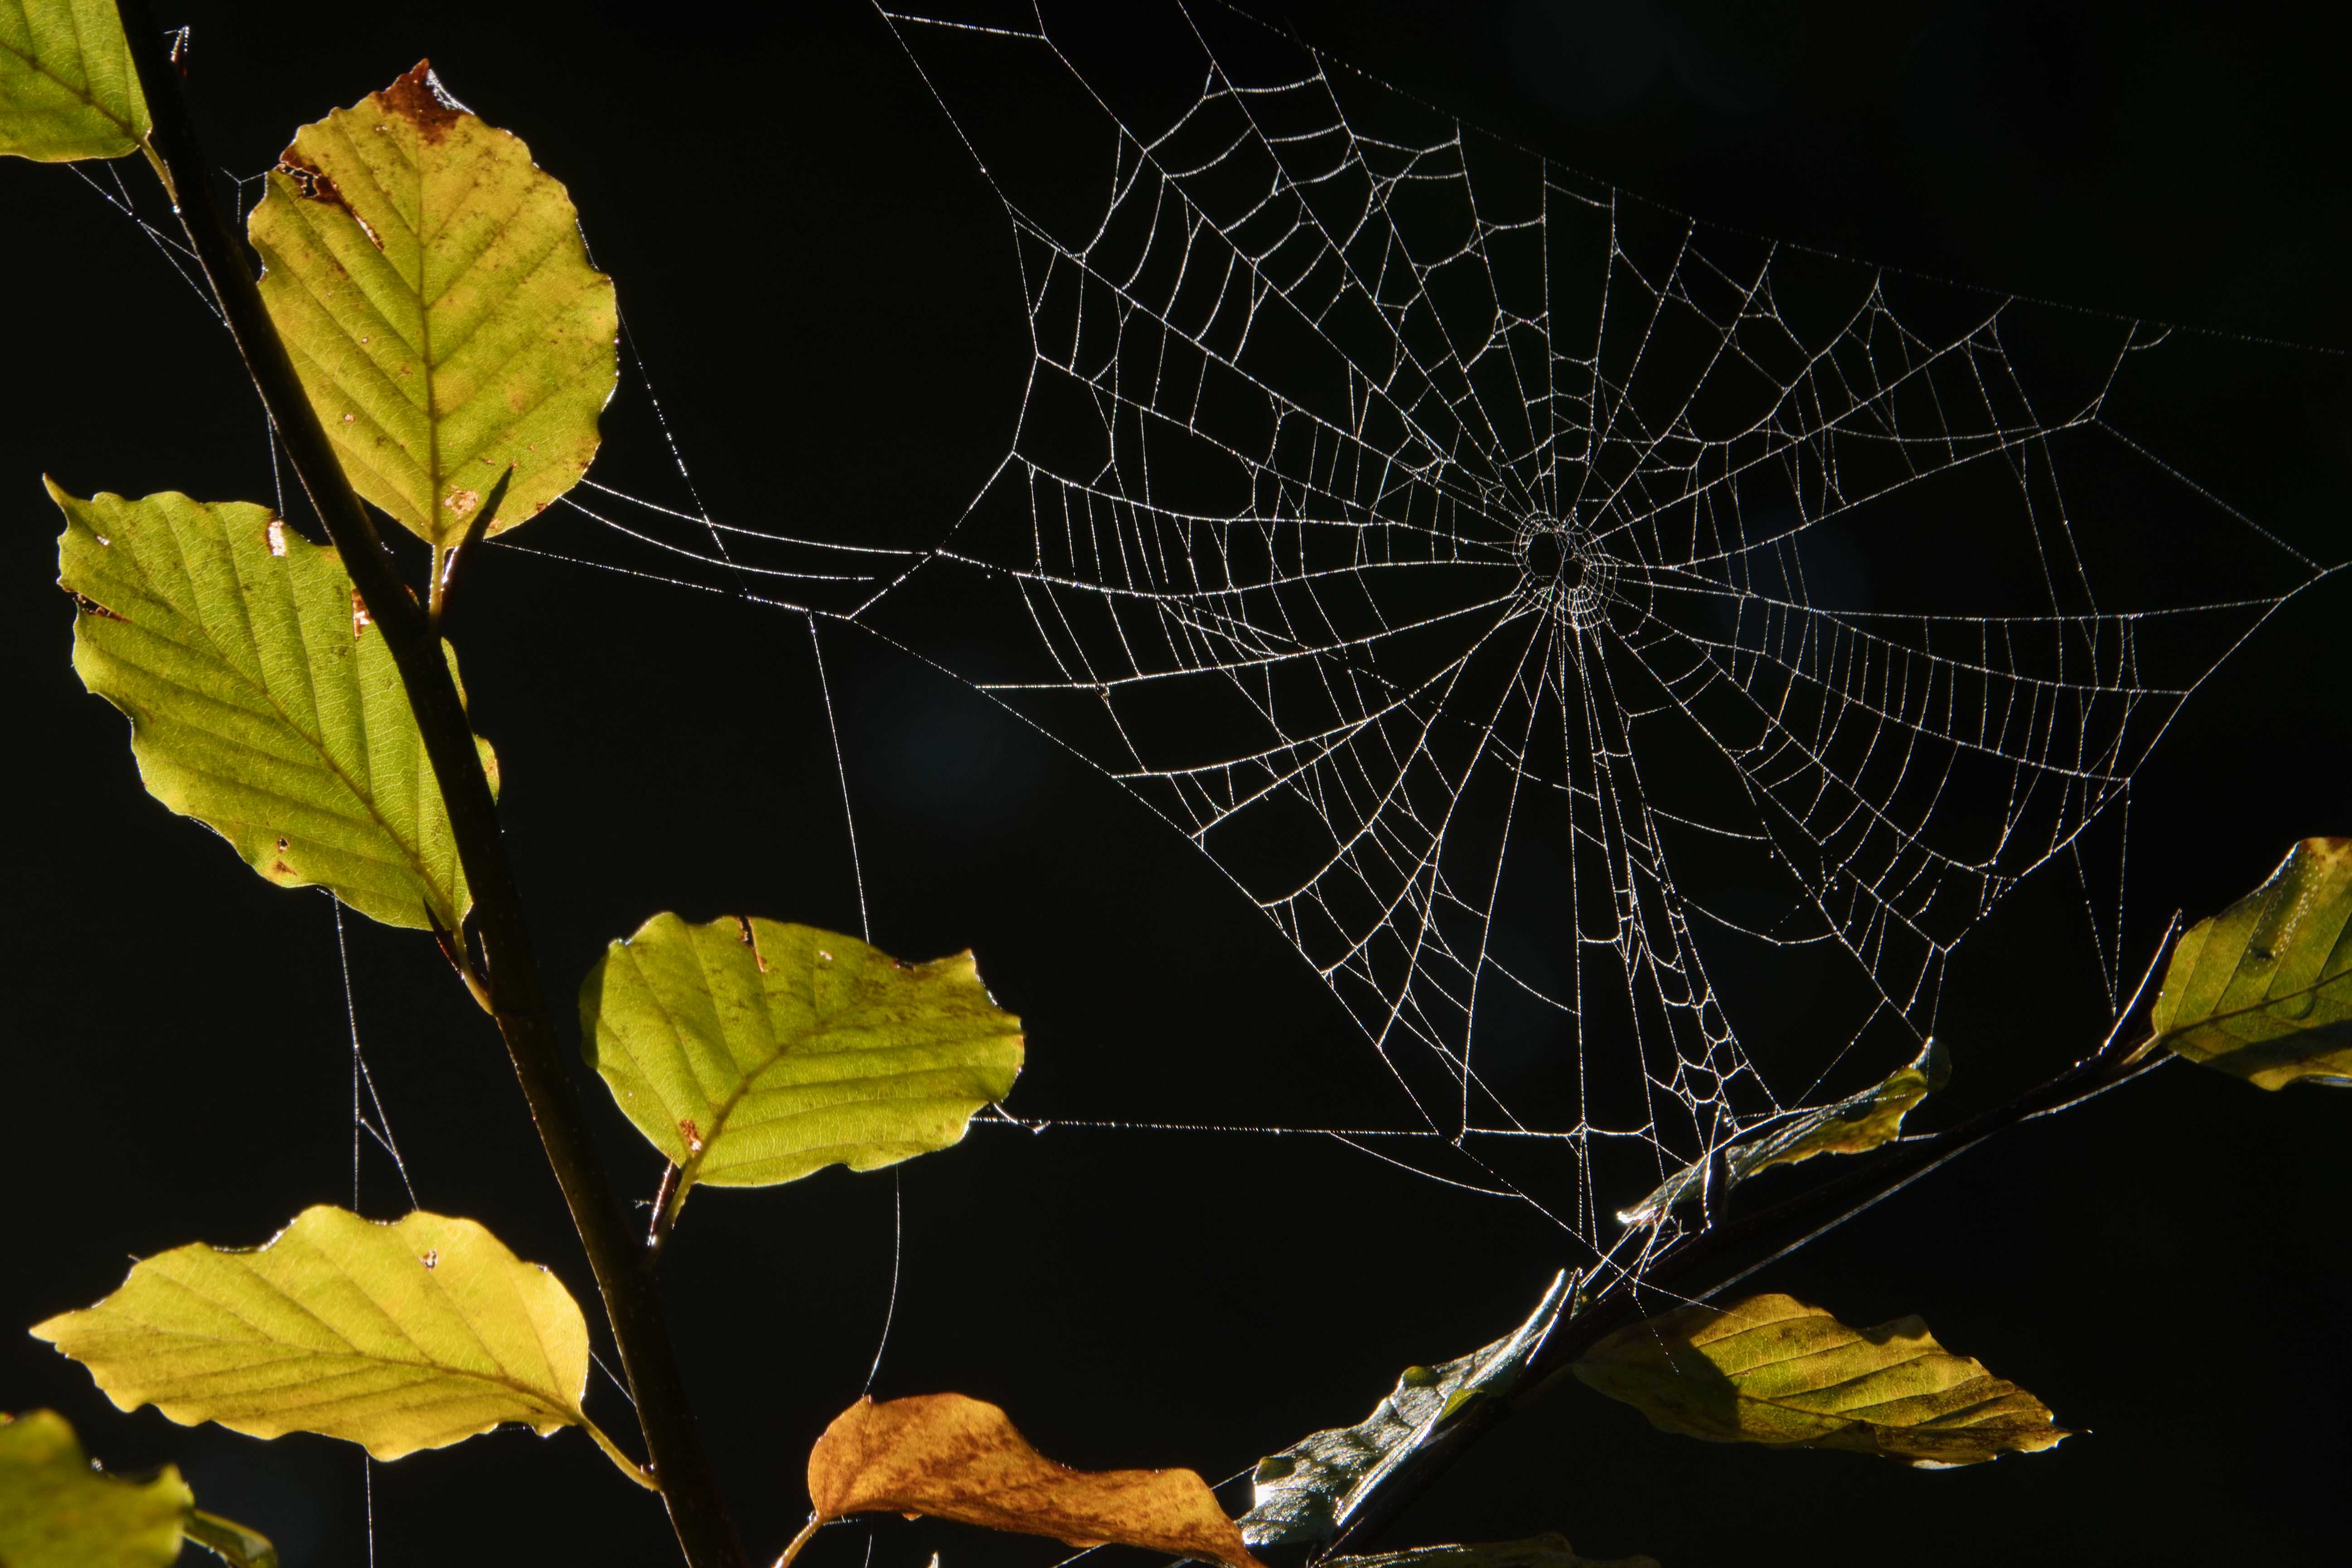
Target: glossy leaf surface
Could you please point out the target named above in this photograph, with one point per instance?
(751, 1052)
(959, 1458)
(233, 1543)
(1536, 1551)
(56, 1511)
(398, 1337)
(1853, 1125)
(262, 702)
(1307, 1491)
(1773, 1370)
(2263, 990)
(433, 289)
(68, 90)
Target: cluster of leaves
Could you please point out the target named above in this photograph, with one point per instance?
(433, 289)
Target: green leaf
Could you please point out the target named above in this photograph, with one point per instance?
(1853, 1125)
(67, 88)
(232, 1543)
(2263, 989)
(1308, 1490)
(416, 1334)
(261, 702)
(751, 1052)
(1773, 1370)
(1537, 1552)
(433, 288)
(59, 1511)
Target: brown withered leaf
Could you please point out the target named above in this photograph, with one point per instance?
(960, 1458)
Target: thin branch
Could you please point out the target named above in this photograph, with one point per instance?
(1710, 1260)
(683, 1474)
(665, 1207)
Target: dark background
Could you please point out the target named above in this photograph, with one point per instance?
(823, 293)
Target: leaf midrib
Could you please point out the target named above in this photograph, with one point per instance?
(77, 94)
(411, 854)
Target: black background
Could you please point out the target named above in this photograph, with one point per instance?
(822, 291)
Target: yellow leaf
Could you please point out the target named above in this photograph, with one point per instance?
(261, 703)
(434, 290)
(67, 88)
(59, 1511)
(752, 1052)
(1774, 1371)
(2263, 989)
(411, 1335)
(959, 1458)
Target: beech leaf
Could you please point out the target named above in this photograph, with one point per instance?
(235, 1544)
(1853, 1125)
(416, 1334)
(68, 90)
(1550, 1550)
(1308, 1491)
(959, 1458)
(2263, 990)
(751, 1052)
(1773, 1370)
(58, 1510)
(433, 288)
(261, 701)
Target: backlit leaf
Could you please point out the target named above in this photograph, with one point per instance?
(751, 1052)
(411, 1335)
(1853, 1125)
(67, 88)
(232, 1543)
(262, 702)
(1307, 1491)
(1537, 1552)
(2263, 989)
(433, 288)
(56, 1511)
(1774, 1371)
(959, 1458)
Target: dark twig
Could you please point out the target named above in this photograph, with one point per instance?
(665, 1214)
(677, 1461)
(1707, 1260)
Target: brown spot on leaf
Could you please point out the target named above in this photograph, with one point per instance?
(748, 938)
(360, 619)
(311, 183)
(283, 846)
(461, 502)
(90, 606)
(418, 98)
(691, 1134)
(432, 1256)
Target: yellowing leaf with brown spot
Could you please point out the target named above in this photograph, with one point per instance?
(1774, 1371)
(959, 1458)
(259, 703)
(432, 286)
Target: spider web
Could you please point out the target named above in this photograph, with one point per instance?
(1563, 619)
(1536, 601)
